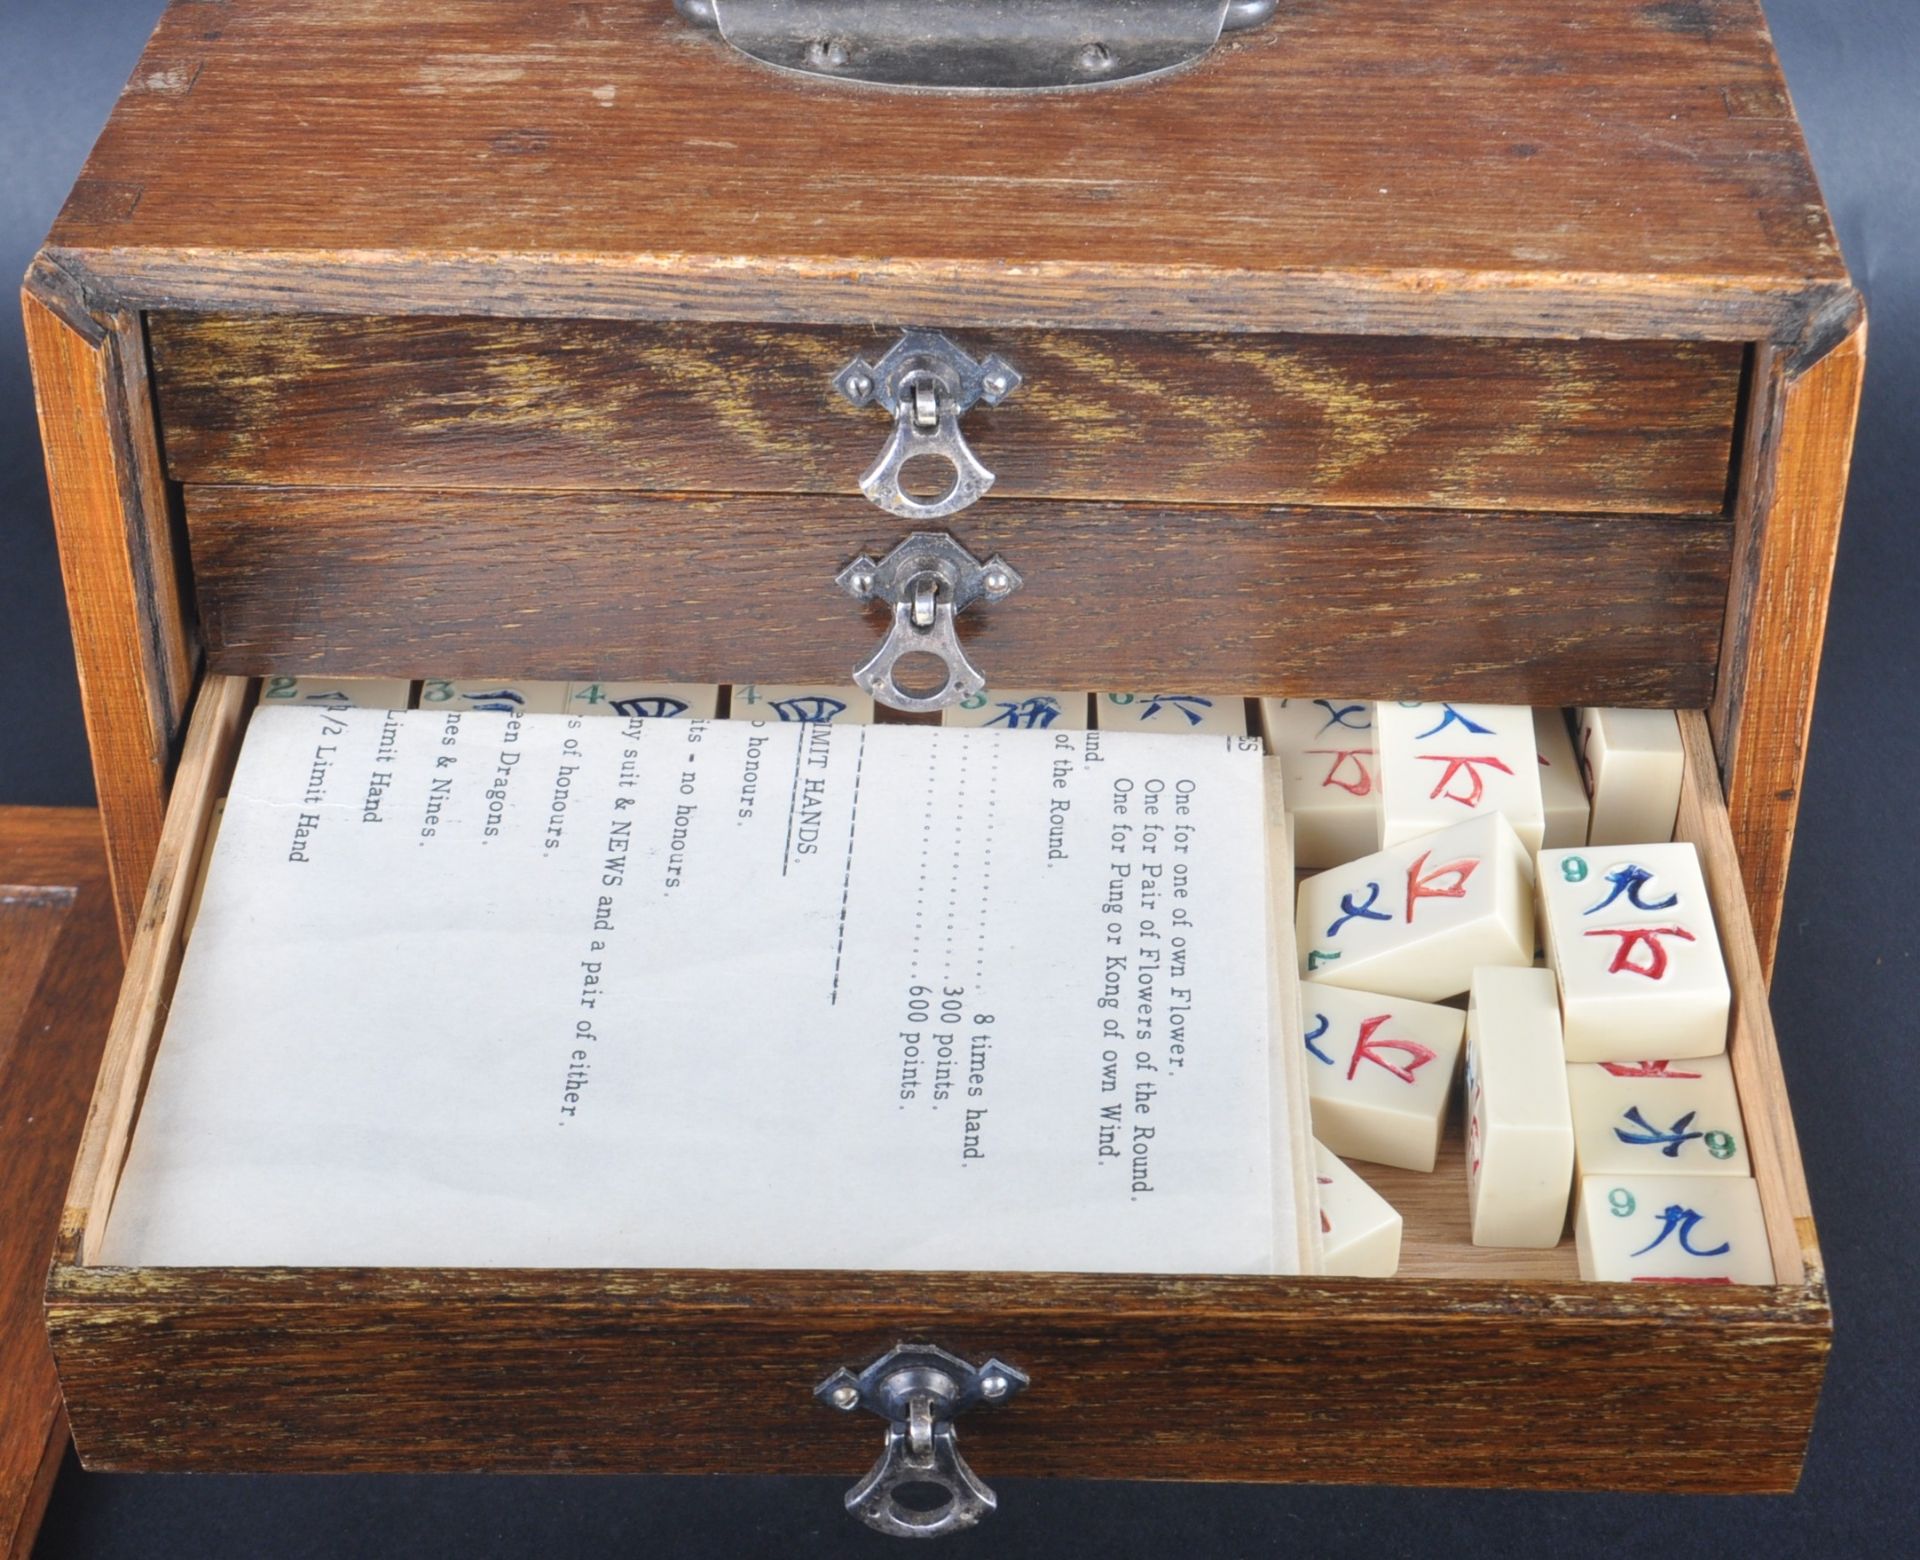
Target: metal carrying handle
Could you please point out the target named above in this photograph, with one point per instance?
(917, 1389)
(976, 45)
(926, 382)
(927, 580)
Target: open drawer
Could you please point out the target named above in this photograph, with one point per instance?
(1544, 1380)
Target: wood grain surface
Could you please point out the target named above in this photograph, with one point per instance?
(1477, 167)
(1787, 530)
(132, 637)
(1507, 608)
(568, 404)
(59, 956)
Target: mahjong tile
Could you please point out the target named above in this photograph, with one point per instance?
(1379, 1073)
(1657, 1118)
(1685, 1229)
(1633, 765)
(1436, 764)
(1630, 933)
(1416, 920)
(1519, 1122)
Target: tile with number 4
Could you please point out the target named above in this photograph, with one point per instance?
(644, 700)
(1379, 1073)
(804, 705)
(1657, 1118)
(1676, 1229)
(1630, 933)
(1417, 920)
(1325, 749)
(1359, 1229)
(1440, 763)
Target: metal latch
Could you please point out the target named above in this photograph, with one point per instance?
(926, 382)
(918, 1389)
(927, 580)
(976, 45)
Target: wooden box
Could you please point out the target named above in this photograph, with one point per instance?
(1477, 349)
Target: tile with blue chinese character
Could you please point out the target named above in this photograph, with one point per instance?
(1416, 920)
(493, 695)
(1657, 1118)
(1379, 1073)
(1688, 1229)
(1359, 1229)
(1437, 764)
(1629, 931)
(644, 700)
(1325, 749)
(810, 704)
(1206, 714)
(357, 693)
(1019, 709)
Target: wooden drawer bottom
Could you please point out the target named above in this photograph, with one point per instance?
(1473, 1367)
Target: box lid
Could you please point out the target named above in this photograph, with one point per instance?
(1599, 167)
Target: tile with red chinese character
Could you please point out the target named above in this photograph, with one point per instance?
(1439, 763)
(1201, 714)
(1379, 1073)
(1519, 1122)
(1019, 709)
(797, 704)
(1657, 1118)
(1684, 1229)
(1563, 794)
(1417, 919)
(1629, 931)
(493, 695)
(644, 700)
(1359, 1229)
(1325, 749)
(1633, 765)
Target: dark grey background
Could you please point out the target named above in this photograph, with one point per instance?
(1845, 994)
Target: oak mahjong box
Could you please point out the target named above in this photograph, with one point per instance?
(1478, 349)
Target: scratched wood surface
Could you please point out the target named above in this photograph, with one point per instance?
(424, 402)
(59, 952)
(1510, 608)
(1787, 532)
(1597, 167)
(132, 634)
(1147, 1377)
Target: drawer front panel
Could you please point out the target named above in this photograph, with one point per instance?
(1506, 608)
(1593, 427)
(291, 1371)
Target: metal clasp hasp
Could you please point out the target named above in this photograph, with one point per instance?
(927, 580)
(917, 1389)
(926, 382)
